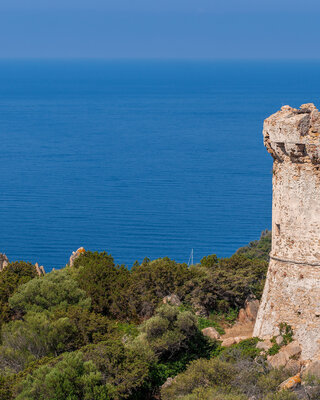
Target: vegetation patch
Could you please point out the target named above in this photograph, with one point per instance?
(100, 331)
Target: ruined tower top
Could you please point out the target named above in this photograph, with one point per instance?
(294, 134)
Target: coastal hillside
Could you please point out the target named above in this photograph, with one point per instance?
(97, 330)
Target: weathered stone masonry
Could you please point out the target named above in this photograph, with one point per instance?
(292, 290)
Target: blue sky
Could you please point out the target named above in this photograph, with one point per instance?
(225, 29)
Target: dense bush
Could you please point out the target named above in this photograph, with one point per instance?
(258, 248)
(226, 283)
(106, 284)
(55, 290)
(13, 276)
(242, 378)
(123, 369)
(33, 338)
(72, 378)
(214, 284)
(89, 327)
(107, 370)
(200, 374)
(212, 394)
(172, 332)
(99, 331)
(153, 280)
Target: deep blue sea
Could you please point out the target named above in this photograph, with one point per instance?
(139, 158)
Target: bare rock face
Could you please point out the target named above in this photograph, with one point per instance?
(293, 366)
(172, 299)
(228, 342)
(292, 350)
(75, 255)
(291, 383)
(3, 261)
(286, 355)
(211, 332)
(40, 270)
(250, 311)
(292, 290)
(265, 345)
(313, 369)
(278, 360)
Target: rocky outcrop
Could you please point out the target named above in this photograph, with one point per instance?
(3, 261)
(250, 311)
(75, 255)
(286, 357)
(291, 383)
(264, 345)
(211, 333)
(172, 299)
(312, 370)
(40, 270)
(243, 327)
(227, 342)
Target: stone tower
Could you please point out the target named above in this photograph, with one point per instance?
(292, 290)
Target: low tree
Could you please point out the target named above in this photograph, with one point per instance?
(153, 280)
(11, 278)
(58, 289)
(34, 337)
(123, 368)
(220, 286)
(107, 285)
(72, 378)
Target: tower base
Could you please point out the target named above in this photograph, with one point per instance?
(291, 295)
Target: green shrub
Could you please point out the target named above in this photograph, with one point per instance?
(210, 322)
(269, 382)
(225, 287)
(6, 383)
(200, 374)
(11, 278)
(258, 248)
(89, 327)
(33, 338)
(106, 284)
(286, 332)
(283, 395)
(212, 394)
(170, 332)
(153, 280)
(235, 372)
(123, 369)
(57, 289)
(274, 349)
(244, 349)
(50, 334)
(72, 379)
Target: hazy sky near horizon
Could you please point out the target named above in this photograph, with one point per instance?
(160, 29)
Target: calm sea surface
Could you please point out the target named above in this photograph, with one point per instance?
(142, 159)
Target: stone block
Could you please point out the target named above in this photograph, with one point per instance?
(228, 342)
(278, 360)
(291, 383)
(265, 345)
(211, 332)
